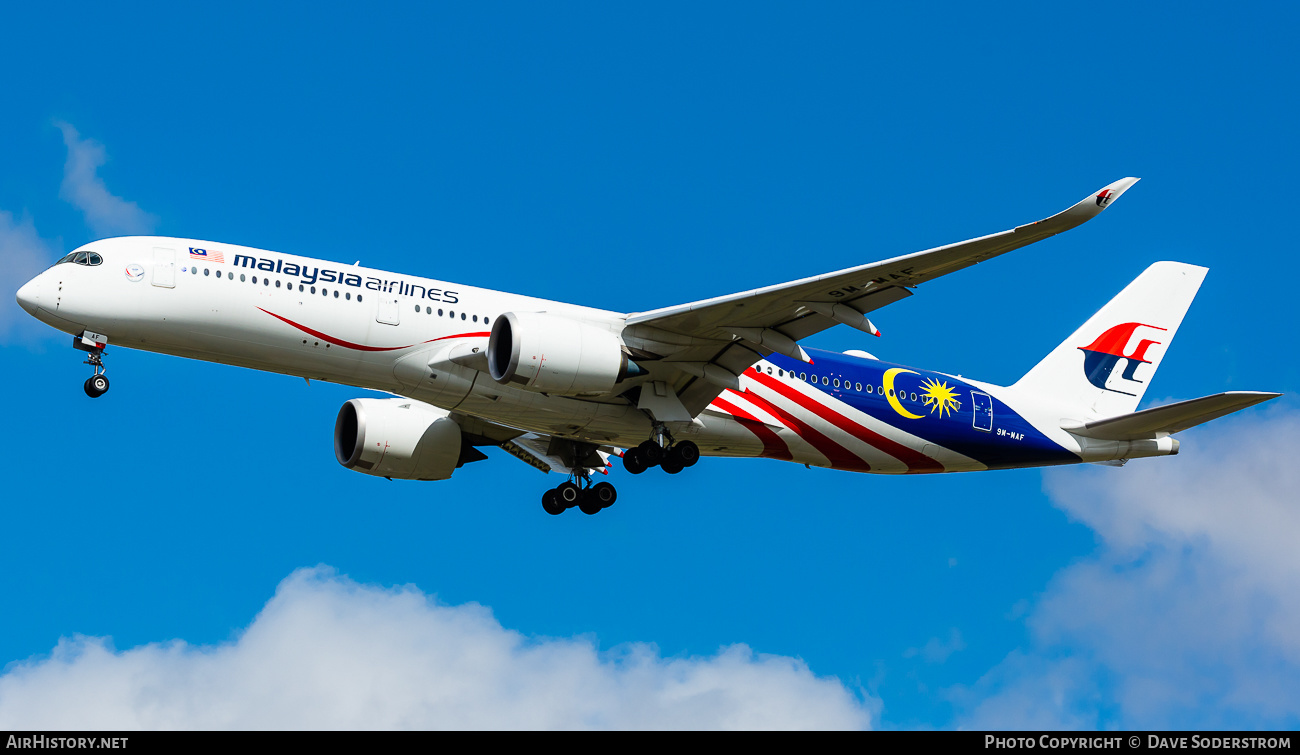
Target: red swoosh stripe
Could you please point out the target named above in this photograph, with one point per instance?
(773, 446)
(839, 456)
(363, 347)
(915, 460)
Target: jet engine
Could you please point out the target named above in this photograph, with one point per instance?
(399, 438)
(552, 354)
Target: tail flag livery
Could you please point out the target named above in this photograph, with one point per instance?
(1104, 368)
(1102, 356)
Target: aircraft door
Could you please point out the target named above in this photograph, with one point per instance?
(388, 310)
(983, 404)
(164, 267)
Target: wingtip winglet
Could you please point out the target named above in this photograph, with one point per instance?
(1092, 205)
(1109, 193)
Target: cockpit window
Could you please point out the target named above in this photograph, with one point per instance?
(81, 258)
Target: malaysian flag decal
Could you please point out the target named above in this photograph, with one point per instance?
(206, 255)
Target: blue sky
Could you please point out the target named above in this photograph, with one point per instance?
(631, 159)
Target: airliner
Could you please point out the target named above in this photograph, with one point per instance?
(564, 388)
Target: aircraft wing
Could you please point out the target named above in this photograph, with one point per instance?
(710, 342)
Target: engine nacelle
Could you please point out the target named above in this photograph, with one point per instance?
(553, 354)
(397, 438)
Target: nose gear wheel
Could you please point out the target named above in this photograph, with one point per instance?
(96, 386)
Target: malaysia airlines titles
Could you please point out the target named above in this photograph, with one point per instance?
(313, 275)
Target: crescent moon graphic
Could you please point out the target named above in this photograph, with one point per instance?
(889, 392)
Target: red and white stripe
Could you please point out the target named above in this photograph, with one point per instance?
(845, 437)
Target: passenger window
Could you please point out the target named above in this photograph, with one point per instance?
(254, 278)
(277, 284)
(242, 279)
(837, 382)
(462, 315)
(427, 310)
(826, 380)
(358, 297)
(870, 388)
(803, 376)
(913, 396)
(206, 272)
(313, 289)
(857, 387)
(348, 296)
(475, 318)
(417, 309)
(336, 293)
(769, 369)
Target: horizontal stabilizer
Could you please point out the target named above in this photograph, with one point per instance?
(1167, 420)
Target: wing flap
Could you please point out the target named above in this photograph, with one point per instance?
(550, 454)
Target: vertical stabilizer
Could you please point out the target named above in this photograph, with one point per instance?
(1105, 367)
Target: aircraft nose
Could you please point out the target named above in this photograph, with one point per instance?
(29, 295)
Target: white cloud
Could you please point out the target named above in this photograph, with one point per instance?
(1188, 614)
(23, 254)
(106, 214)
(327, 653)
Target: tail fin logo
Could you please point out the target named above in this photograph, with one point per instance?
(1101, 357)
(1104, 198)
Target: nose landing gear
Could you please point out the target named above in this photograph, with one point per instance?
(93, 343)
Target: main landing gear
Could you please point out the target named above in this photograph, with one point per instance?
(579, 491)
(96, 385)
(672, 459)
